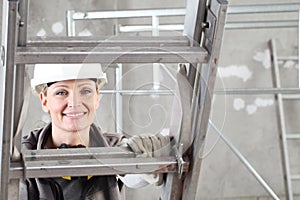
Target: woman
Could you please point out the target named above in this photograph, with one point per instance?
(70, 94)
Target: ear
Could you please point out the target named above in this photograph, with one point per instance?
(44, 102)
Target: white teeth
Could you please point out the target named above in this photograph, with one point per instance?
(74, 114)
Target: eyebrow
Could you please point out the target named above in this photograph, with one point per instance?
(86, 84)
(79, 85)
(59, 86)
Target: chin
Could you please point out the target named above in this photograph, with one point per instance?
(75, 125)
(75, 128)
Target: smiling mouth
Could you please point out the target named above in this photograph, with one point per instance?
(74, 114)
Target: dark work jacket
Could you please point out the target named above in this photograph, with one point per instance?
(79, 188)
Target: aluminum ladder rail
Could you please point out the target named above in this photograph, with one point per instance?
(14, 32)
(15, 53)
(206, 28)
(284, 136)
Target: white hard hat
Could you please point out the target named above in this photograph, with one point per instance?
(48, 73)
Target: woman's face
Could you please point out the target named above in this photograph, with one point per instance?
(72, 104)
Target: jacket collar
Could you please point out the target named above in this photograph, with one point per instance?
(96, 137)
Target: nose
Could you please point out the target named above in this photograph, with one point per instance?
(74, 100)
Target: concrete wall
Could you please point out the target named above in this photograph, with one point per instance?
(248, 121)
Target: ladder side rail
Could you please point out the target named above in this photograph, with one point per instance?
(10, 8)
(20, 71)
(19, 96)
(23, 13)
(299, 47)
(281, 124)
(214, 35)
(194, 18)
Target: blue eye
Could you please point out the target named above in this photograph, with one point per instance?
(61, 93)
(86, 91)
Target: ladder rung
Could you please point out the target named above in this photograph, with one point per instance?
(92, 161)
(284, 58)
(295, 177)
(31, 55)
(80, 153)
(150, 41)
(291, 96)
(293, 136)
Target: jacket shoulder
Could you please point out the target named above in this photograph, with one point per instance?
(105, 139)
(30, 141)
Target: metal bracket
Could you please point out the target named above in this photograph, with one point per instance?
(210, 26)
(180, 161)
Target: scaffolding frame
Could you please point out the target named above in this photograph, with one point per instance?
(291, 93)
(73, 16)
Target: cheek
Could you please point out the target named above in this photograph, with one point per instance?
(56, 107)
(96, 102)
(93, 105)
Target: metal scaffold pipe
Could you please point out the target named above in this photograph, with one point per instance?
(245, 162)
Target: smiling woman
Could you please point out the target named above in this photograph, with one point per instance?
(70, 94)
(72, 105)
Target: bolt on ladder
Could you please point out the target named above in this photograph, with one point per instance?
(284, 136)
(203, 22)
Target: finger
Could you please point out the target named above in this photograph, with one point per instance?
(165, 144)
(147, 144)
(156, 145)
(136, 144)
(164, 140)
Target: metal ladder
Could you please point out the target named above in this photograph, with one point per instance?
(204, 25)
(284, 136)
